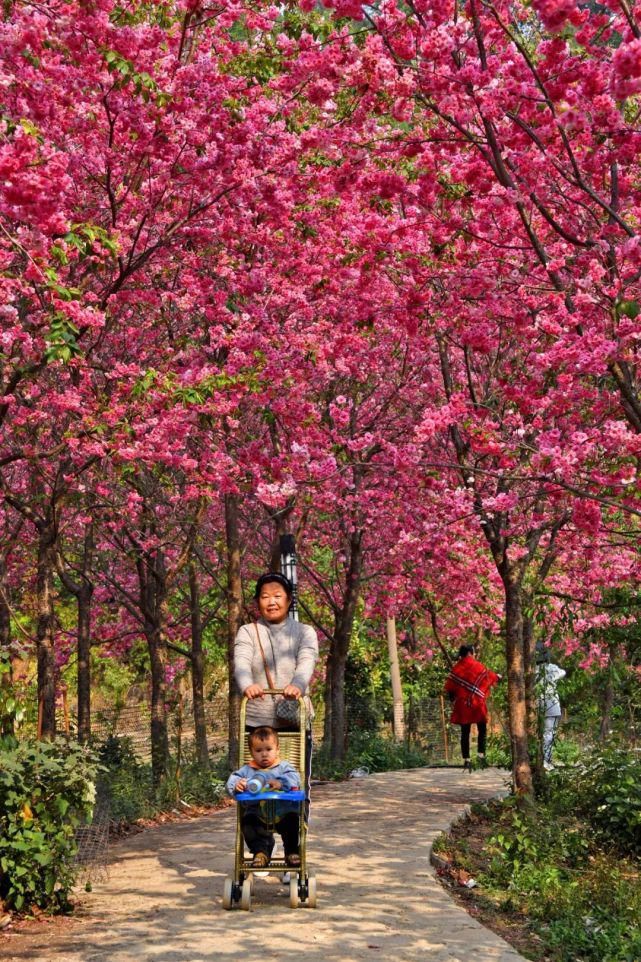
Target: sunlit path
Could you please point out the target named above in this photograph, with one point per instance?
(378, 897)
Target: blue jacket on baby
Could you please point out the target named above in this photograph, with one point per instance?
(284, 772)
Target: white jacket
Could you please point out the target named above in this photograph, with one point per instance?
(547, 677)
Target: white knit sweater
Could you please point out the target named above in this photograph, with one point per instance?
(291, 650)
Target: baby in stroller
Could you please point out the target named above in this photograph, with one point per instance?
(255, 820)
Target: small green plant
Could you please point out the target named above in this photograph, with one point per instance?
(566, 751)
(125, 781)
(514, 846)
(498, 752)
(47, 790)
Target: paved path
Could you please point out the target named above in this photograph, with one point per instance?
(378, 898)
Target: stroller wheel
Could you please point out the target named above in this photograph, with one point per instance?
(246, 895)
(293, 892)
(311, 890)
(228, 893)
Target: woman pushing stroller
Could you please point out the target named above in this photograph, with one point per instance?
(275, 652)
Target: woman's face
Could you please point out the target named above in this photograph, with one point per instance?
(273, 602)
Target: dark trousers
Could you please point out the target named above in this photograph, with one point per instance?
(259, 837)
(465, 738)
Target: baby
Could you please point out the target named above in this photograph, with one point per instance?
(254, 821)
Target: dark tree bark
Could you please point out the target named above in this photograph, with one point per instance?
(234, 612)
(152, 580)
(6, 719)
(159, 733)
(339, 649)
(529, 668)
(516, 695)
(82, 590)
(197, 669)
(45, 627)
(84, 597)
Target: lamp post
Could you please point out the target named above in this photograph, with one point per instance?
(288, 568)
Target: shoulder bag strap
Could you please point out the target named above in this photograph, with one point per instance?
(268, 676)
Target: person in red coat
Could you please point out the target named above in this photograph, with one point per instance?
(467, 685)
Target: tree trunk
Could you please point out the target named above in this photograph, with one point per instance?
(6, 718)
(159, 735)
(337, 663)
(84, 594)
(607, 702)
(340, 647)
(84, 661)
(82, 590)
(529, 667)
(516, 696)
(198, 669)
(45, 630)
(327, 699)
(153, 605)
(234, 610)
(395, 676)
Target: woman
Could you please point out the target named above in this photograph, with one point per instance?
(289, 650)
(468, 684)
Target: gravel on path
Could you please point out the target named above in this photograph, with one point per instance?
(369, 844)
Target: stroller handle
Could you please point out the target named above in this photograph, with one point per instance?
(302, 708)
(273, 691)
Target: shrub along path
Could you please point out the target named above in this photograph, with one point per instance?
(369, 844)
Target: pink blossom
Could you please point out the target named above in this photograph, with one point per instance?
(554, 13)
(626, 61)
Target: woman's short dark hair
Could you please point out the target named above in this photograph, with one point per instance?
(465, 650)
(277, 578)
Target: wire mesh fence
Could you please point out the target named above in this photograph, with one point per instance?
(426, 725)
(426, 728)
(93, 841)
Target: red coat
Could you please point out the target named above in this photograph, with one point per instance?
(469, 681)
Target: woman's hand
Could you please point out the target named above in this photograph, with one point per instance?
(254, 691)
(291, 691)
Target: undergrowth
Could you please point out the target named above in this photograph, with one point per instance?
(567, 866)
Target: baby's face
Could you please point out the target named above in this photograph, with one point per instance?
(265, 752)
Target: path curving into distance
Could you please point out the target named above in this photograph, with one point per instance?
(378, 897)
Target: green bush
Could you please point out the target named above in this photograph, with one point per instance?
(606, 791)
(47, 789)
(127, 783)
(367, 750)
(544, 861)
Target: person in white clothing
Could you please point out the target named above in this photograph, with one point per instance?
(547, 677)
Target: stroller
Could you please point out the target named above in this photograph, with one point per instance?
(238, 888)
